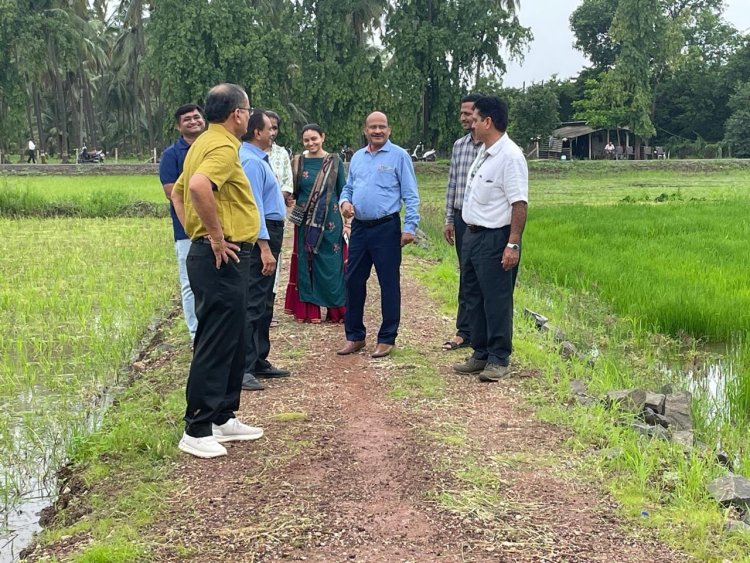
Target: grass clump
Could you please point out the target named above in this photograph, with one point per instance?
(415, 379)
(289, 416)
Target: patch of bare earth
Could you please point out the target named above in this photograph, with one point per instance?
(346, 473)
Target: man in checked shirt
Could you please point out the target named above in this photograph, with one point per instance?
(465, 150)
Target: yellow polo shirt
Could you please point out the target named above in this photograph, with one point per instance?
(215, 154)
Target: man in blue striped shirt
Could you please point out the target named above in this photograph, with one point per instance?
(381, 177)
(265, 254)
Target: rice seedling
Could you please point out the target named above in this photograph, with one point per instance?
(83, 196)
(76, 296)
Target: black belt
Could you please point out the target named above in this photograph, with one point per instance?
(274, 222)
(480, 228)
(242, 245)
(373, 222)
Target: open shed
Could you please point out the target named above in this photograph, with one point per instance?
(582, 141)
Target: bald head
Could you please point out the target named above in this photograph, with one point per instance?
(222, 100)
(377, 130)
(377, 116)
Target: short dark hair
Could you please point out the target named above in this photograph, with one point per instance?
(312, 127)
(222, 100)
(470, 98)
(187, 108)
(273, 115)
(255, 123)
(494, 108)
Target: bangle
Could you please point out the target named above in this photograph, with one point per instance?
(212, 241)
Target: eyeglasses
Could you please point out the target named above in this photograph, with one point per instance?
(245, 109)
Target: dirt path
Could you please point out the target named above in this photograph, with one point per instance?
(391, 460)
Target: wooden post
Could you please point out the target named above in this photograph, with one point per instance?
(115, 155)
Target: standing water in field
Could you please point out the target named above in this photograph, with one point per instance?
(69, 320)
(36, 452)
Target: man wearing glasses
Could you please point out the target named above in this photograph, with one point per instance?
(189, 123)
(214, 202)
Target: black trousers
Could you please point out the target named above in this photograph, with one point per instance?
(378, 245)
(260, 299)
(215, 380)
(463, 323)
(488, 290)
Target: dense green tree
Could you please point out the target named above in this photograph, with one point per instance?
(738, 124)
(590, 23)
(438, 50)
(534, 112)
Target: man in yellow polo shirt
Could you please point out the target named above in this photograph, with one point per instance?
(215, 204)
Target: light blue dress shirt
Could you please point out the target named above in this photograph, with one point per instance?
(266, 191)
(378, 182)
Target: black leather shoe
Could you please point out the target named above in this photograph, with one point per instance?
(249, 383)
(271, 372)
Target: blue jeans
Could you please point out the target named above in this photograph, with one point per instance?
(181, 248)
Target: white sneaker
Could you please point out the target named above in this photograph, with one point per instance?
(233, 430)
(205, 447)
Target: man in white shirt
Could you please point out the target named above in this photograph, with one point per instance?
(609, 149)
(281, 165)
(494, 210)
(31, 152)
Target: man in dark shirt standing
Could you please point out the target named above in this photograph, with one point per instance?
(189, 123)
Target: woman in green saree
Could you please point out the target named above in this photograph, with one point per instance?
(316, 274)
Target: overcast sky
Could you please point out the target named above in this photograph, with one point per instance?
(552, 50)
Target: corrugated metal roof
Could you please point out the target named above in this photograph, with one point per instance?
(579, 130)
(573, 131)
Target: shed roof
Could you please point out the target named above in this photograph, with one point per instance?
(572, 131)
(579, 129)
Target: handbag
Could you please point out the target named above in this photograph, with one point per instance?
(297, 216)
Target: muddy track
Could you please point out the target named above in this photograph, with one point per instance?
(348, 473)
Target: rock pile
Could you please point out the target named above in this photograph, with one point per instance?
(664, 415)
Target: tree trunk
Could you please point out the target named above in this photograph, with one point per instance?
(88, 109)
(38, 115)
(62, 126)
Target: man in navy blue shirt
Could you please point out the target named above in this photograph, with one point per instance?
(265, 254)
(190, 123)
(381, 177)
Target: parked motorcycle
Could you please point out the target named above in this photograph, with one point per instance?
(90, 157)
(346, 153)
(419, 154)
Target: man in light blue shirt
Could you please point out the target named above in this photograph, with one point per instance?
(265, 254)
(381, 177)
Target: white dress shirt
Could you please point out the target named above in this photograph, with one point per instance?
(498, 178)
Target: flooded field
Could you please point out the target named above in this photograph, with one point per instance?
(76, 297)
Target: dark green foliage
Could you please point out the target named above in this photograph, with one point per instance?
(738, 124)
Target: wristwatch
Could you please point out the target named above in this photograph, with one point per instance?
(514, 246)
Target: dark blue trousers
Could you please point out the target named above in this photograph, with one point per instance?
(488, 290)
(260, 301)
(463, 322)
(378, 245)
